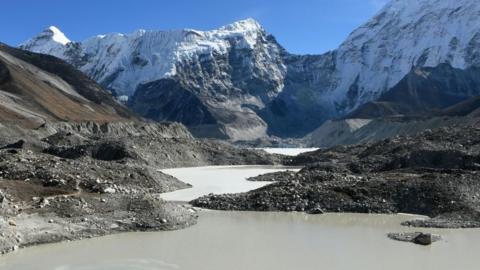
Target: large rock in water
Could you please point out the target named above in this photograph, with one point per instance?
(241, 77)
(419, 238)
(424, 239)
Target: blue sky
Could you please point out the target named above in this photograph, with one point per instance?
(301, 26)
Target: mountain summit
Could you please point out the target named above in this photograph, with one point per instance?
(123, 61)
(238, 81)
(49, 41)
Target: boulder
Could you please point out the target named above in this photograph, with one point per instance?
(424, 239)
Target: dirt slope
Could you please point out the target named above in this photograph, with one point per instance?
(36, 88)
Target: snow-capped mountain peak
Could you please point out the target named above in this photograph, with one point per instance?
(144, 55)
(49, 41)
(243, 26)
(239, 73)
(57, 35)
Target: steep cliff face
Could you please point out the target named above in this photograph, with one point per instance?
(218, 94)
(239, 81)
(303, 104)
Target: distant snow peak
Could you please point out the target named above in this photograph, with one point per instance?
(247, 30)
(139, 32)
(57, 35)
(50, 41)
(248, 24)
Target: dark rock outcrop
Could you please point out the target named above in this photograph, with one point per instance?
(424, 91)
(4, 73)
(419, 238)
(167, 100)
(16, 145)
(467, 108)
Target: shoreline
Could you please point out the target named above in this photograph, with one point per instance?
(59, 237)
(33, 229)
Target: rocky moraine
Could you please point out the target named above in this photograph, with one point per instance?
(434, 173)
(73, 181)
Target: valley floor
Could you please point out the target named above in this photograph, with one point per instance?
(70, 185)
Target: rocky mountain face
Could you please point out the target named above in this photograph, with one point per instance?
(218, 94)
(467, 108)
(36, 89)
(426, 98)
(237, 82)
(405, 34)
(212, 81)
(424, 91)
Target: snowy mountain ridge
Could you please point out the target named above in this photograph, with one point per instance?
(142, 56)
(49, 41)
(239, 78)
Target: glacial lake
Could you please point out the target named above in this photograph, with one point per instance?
(256, 241)
(217, 180)
(260, 241)
(288, 151)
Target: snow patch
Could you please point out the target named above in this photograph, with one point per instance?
(58, 36)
